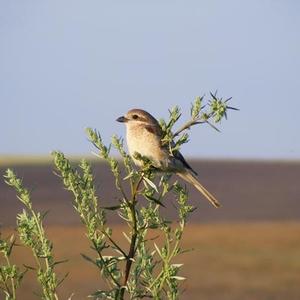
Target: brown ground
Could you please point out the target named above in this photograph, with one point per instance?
(249, 249)
(248, 261)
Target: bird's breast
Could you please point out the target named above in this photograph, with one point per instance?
(146, 143)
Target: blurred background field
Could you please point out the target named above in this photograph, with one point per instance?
(230, 261)
(248, 190)
(248, 249)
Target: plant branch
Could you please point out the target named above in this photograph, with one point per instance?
(130, 256)
(114, 243)
(107, 270)
(187, 125)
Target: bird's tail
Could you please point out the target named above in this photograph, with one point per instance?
(194, 181)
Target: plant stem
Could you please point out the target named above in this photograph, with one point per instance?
(130, 256)
(132, 245)
(11, 280)
(107, 270)
(192, 122)
(114, 243)
(186, 126)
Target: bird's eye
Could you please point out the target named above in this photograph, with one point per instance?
(135, 117)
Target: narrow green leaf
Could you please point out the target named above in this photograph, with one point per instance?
(148, 181)
(154, 200)
(178, 277)
(111, 207)
(89, 259)
(158, 250)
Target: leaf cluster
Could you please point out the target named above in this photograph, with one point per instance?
(146, 268)
(210, 113)
(10, 275)
(32, 234)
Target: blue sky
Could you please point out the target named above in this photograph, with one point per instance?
(66, 65)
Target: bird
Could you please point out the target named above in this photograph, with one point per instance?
(144, 136)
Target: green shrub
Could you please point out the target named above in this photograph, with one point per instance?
(145, 269)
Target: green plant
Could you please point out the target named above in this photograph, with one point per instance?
(32, 234)
(10, 275)
(147, 267)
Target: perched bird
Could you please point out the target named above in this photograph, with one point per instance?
(143, 136)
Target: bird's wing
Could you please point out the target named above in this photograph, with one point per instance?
(180, 157)
(153, 129)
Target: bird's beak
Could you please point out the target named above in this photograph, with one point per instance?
(122, 119)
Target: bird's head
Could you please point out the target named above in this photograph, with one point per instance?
(138, 117)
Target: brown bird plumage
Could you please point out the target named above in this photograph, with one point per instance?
(143, 136)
